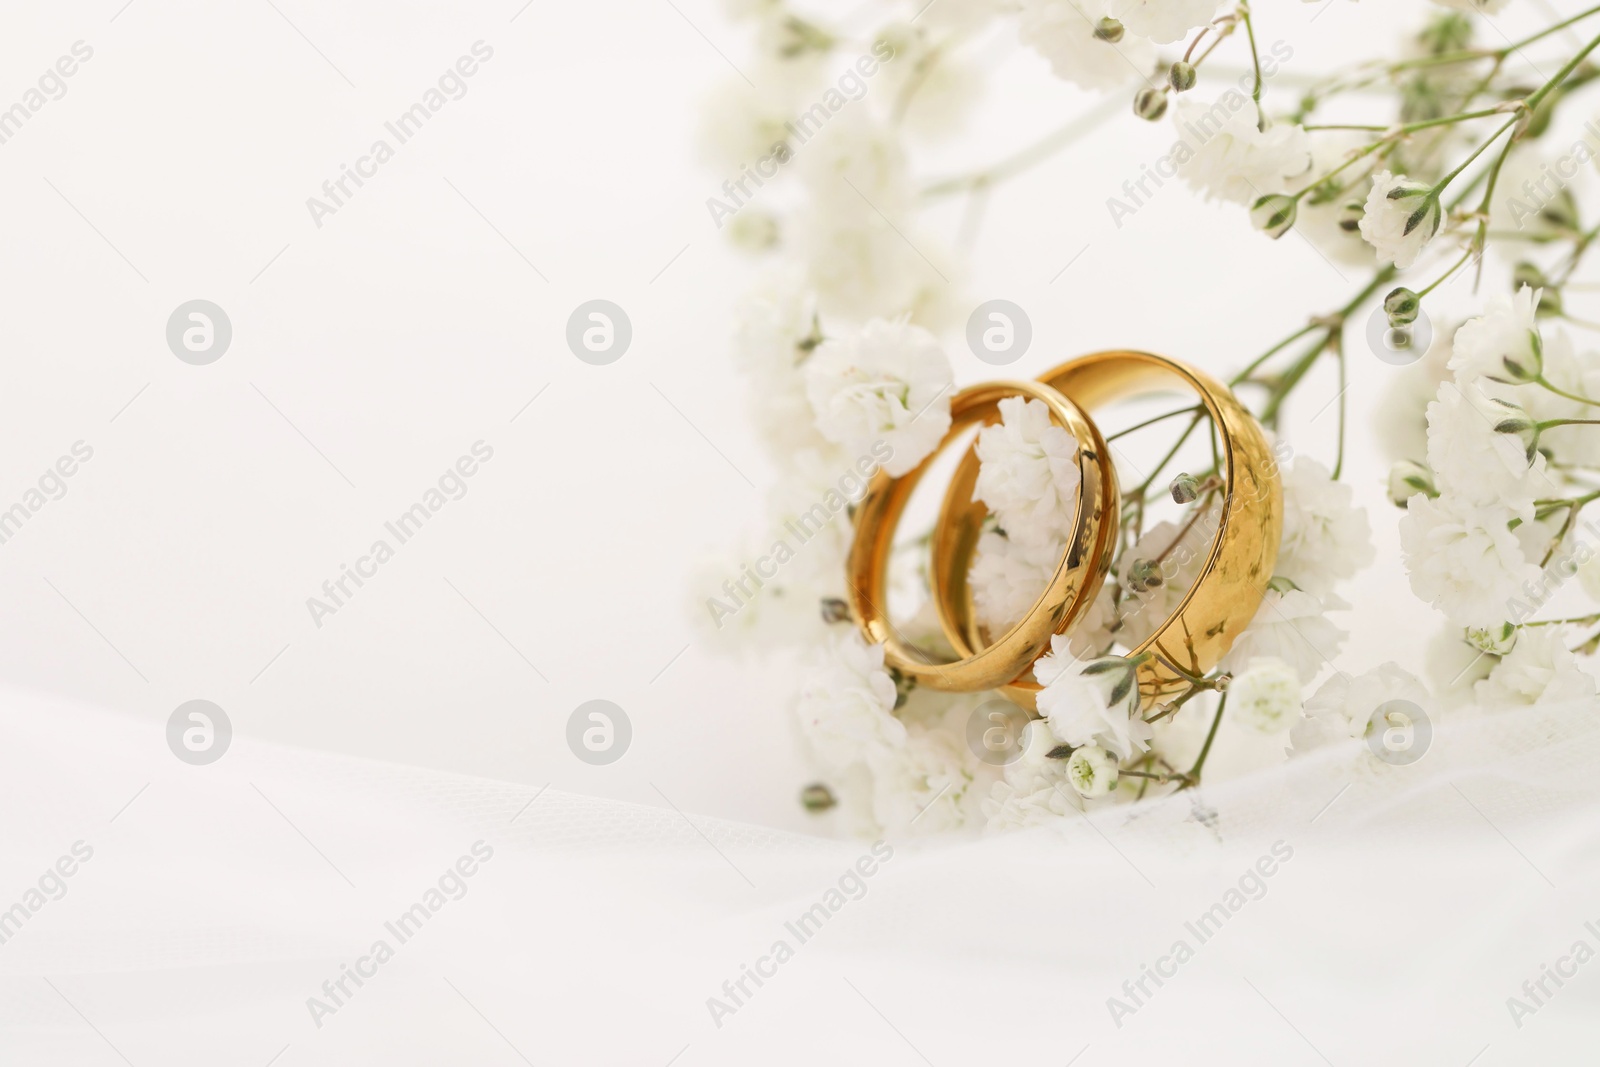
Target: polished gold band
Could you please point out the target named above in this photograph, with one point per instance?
(1242, 554)
(1073, 587)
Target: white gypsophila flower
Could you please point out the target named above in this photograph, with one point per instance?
(1495, 640)
(1164, 21)
(1034, 790)
(856, 166)
(743, 618)
(775, 329)
(1342, 707)
(1325, 537)
(741, 125)
(862, 266)
(1454, 667)
(888, 382)
(1008, 578)
(1463, 559)
(1091, 701)
(808, 531)
(1401, 217)
(1407, 479)
(1502, 344)
(923, 782)
(1400, 423)
(1329, 216)
(1227, 156)
(1473, 461)
(1291, 625)
(846, 706)
(1095, 630)
(1063, 31)
(1540, 669)
(1028, 473)
(1092, 771)
(1265, 696)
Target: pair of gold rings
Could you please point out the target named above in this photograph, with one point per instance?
(1208, 619)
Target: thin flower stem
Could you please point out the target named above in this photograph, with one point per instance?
(1255, 59)
(1457, 265)
(1545, 382)
(1338, 465)
(1561, 75)
(1448, 178)
(1550, 423)
(1205, 750)
(1151, 422)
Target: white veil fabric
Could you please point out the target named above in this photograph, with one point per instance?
(293, 908)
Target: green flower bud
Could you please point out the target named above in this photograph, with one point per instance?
(1407, 479)
(817, 797)
(1108, 30)
(1350, 216)
(1273, 215)
(1402, 306)
(834, 610)
(1183, 76)
(1144, 574)
(1185, 487)
(1150, 104)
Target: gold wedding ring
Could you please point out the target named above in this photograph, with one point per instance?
(1238, 564)
(1073, 587)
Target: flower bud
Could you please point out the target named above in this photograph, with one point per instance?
(834, 610)
(817, 797)
(1495, 640)
(1526, 368)
(1185, 487)
(1150, 104)
(1108, 30)
(1273, 215)
(1183, 76)
(1092, 771)
(1350, 216)
(1407, 479)
(1143, 574)
(1402, 306)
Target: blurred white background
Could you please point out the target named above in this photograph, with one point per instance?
(371, 352)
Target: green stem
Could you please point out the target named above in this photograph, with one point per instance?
(1205, 750)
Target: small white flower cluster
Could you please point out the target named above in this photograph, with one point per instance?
(1476, 540)
(842, 343)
